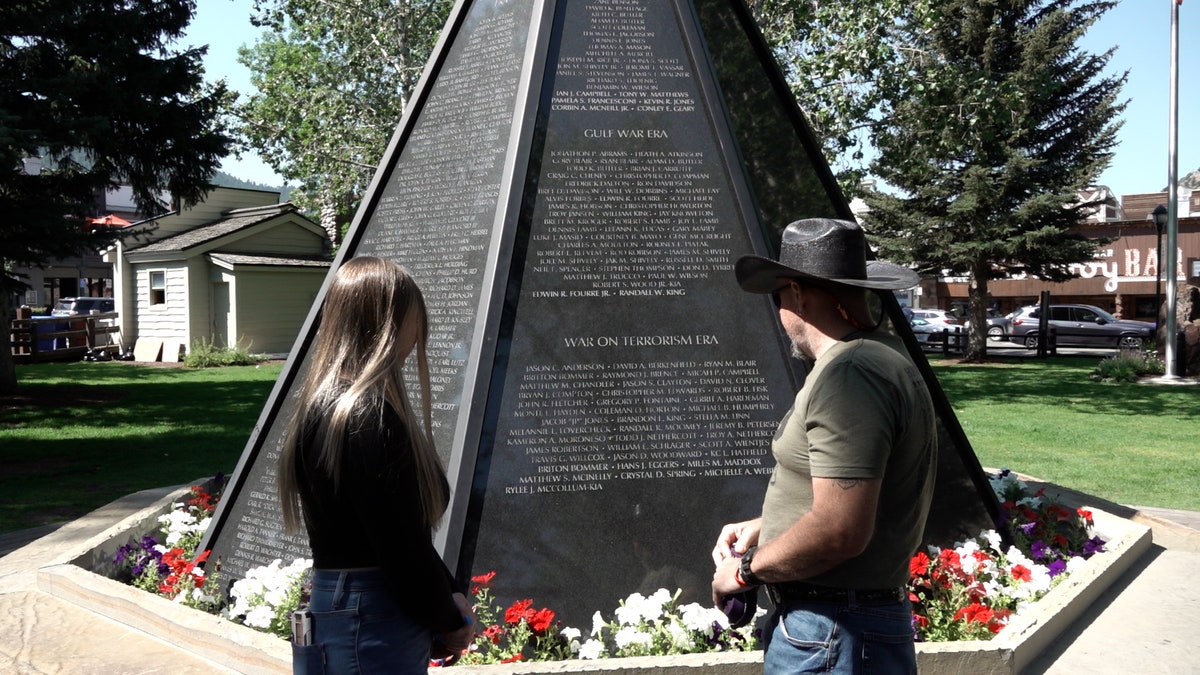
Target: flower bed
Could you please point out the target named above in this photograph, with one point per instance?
(972, 590)
(1025, 629)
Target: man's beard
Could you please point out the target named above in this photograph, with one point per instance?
(801, 356)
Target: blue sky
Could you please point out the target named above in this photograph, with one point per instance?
(1139, 29)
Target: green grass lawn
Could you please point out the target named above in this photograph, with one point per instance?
(80, 435)
(1128, 443)
(83, 434)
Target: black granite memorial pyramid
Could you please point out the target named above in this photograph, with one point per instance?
(570, 186)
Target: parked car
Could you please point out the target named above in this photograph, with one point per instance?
(1080, 326)
(73, 306)
(997, 326)
(928, 333)
(935, 316)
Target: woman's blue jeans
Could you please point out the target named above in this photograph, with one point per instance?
(358, 628)
(827, 637)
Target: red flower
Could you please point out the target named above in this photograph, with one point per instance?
(481, 582)
(919, 565)
(999, 617)
(181, 568)
(201, 500)
(921, 621)
(541, 620)
(1085, 514)
(974, 613)
(1021, 573)
(514, 658)
(519, 610)
(949, 557)
(493, 633)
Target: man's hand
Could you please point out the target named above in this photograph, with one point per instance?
(724, 581)
(735, 539)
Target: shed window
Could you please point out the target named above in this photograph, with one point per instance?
(158, 288)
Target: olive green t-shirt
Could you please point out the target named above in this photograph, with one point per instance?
(864, 412)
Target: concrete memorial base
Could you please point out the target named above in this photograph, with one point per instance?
(78, 577)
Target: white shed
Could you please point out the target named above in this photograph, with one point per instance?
(228, 271)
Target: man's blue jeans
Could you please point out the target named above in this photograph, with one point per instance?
(826, 637)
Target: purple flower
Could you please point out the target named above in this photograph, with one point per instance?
(1093, 546)
(1057, 567)
(1038, 550)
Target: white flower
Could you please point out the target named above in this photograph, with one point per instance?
(630, 611)
(592, 649)
(630, 635)
(572, 636)
(265, 591)
(177, 525)
(701, 619)
(260, 617)
(1075, 563)
(1017, 557)
(679, 636)
(598, 623)
(1034, 502)
(993, 539)
(652, 607)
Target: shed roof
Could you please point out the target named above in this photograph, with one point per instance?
(234, 259)
(233, 221)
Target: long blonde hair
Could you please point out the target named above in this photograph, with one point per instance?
(357, 355)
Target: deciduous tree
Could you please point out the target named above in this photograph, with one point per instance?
(332, 79)
(843, 61)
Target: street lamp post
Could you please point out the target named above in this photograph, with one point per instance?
(1169, 356)
(1159, 216)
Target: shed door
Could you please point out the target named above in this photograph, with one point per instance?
(220, 317)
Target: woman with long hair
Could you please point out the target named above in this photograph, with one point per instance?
(359, 469)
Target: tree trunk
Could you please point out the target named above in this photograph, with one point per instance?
(977, 296)
(8, 370)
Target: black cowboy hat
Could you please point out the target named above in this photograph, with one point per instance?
(826, 251)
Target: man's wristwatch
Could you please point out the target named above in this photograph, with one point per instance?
(747, 576)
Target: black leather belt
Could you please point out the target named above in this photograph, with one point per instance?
(799, 591)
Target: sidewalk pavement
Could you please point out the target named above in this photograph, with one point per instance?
(1146, 622)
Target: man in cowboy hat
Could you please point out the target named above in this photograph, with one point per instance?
(855, 456)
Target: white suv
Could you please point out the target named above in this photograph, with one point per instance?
(73, 306)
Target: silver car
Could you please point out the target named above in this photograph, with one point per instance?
(1080, 326)
(930, 334)
(74, 306)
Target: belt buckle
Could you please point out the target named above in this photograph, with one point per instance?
(774, 594)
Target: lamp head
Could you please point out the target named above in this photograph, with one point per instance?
(1159, 216)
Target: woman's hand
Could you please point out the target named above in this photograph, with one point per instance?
(458, 640)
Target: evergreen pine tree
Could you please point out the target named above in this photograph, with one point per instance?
(999, 124)
(94, 93)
